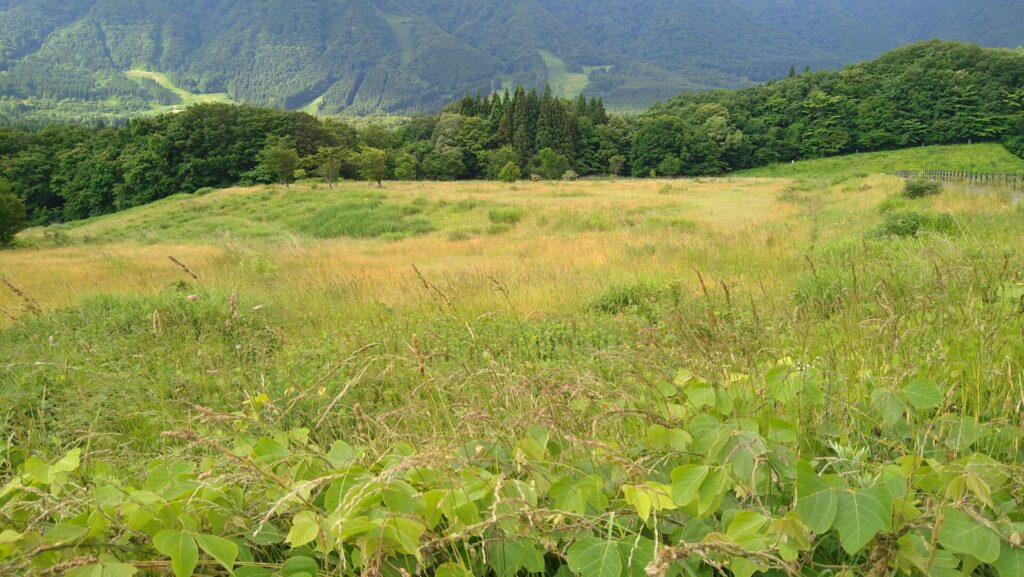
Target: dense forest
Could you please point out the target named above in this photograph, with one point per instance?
(67, 59)
(928, 93)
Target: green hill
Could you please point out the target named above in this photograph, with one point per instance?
(987, 158)
(68, 58)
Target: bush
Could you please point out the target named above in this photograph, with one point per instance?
(510, 173)
(12, 215)
(506, 215)
(921, 187)
(908, 223)
(1015, 144)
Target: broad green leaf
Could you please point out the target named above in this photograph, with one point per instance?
(861, 515)
(103, 570)
(1010, 562)
(8, 536)
(268, 451)
(341, 454)
(65, 533)
(452, 570)
(701, 395)
(595, 558)
(637, 553)
(69, 463)
(569, 496)
(744, 530)
(405, 533)
(782, 385)
(888, 405)
(960, 533)
(711, 492)
(647, 497)
(181, 548)
(743, 567)
(816, 500)
(791, 536)
(305, 528)
(296, 566)
(224, 551)
(508, 557)
(266, 534)
(915, 551)
(640, 500)
(923, 395)
(686, 482)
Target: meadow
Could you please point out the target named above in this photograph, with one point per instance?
(800, 373)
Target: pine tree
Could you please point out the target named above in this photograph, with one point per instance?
(523, 127)
(548, 123)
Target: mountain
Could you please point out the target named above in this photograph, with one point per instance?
(62, 58)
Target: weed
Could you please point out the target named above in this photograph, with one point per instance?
(921, 188)
(508, 215)
(910, 223)
(368, 219)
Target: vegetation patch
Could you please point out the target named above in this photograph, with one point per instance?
(366, 219)
(911, 223)
(921, 187)
(508, 215)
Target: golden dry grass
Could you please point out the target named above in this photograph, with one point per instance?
(574, 240)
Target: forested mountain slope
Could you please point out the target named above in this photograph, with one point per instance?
(927, 93)
(68, 58)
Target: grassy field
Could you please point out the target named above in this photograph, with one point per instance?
(564, 83)
(187, 98)
(991, 158)
(612, 378)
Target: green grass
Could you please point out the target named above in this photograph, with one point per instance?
(187, 98)
(564, 83)
(402, 28)
(992, 158)
(272, 213)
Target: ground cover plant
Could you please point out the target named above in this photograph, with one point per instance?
(693, 377)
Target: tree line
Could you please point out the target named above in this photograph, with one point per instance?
(929, 93)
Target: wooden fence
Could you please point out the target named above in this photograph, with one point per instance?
(1014, 182)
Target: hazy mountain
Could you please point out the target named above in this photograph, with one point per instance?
(360, 56)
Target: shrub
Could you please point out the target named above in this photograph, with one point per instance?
(506, 215)
(1015, 144)
(921, 187)
(12, 215)
(57, 236)
(510, 173)
(893, 203)
(909, 223)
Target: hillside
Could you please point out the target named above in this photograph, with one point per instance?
(981, 158)
(67, 59)
(402, 210)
